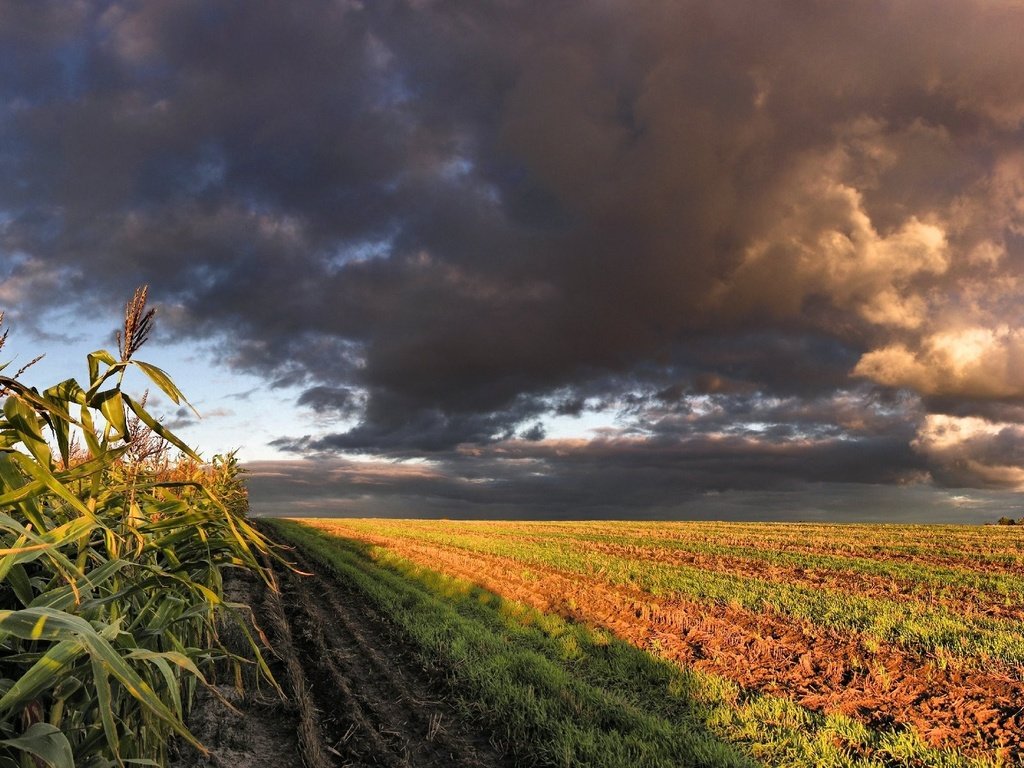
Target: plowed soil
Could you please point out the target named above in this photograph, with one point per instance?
(968, 709)
(962, 600)
(356, 696)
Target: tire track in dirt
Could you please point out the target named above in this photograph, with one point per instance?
(356, 696)
(260, 729)
(377, 708)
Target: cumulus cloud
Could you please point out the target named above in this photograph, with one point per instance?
(826, 246)
(969, 362)
(973, 452)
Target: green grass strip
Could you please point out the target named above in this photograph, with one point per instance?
(563, 694)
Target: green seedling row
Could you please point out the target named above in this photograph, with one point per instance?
(925, 581)
(966, 546)
(909, 624)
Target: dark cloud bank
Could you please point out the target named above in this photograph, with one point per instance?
(781, 243)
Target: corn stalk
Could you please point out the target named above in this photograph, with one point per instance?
(110, 580)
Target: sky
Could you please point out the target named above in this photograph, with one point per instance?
(603, 259)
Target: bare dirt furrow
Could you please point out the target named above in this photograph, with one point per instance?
(356, 696)
(261, 729)
(378, 707)
(347, 728)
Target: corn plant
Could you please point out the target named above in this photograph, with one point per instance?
(110, 580)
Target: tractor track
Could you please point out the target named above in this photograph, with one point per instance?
(357, 696)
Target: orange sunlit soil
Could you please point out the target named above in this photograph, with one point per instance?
(954, 694)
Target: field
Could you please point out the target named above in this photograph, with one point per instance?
(701, 643)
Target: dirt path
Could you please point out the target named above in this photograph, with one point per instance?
(262, 730)
(357, 696)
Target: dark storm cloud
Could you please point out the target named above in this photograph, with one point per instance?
(601, 479)
(389, 427)
(671, 457)
(181, 418)
(337, 400)
(444, 221)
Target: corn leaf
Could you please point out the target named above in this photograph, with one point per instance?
(101, 679)
(40, 474)
(159, 428)
(110, 405)
(162, 380)
(43, 675)
(45, 742)
(26, 423)
(97, 357)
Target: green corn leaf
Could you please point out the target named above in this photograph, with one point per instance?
(59, 535)
(212, 598)
(101, 679)
(43, 624)
(43, 675)
(62, 433)
(20, 492)
(68, 391)
(64, 598)
(66, 687)
(25, 422)
(40, 474)
(94, 359)
(162, 660)
(12, 565)
(110, 405)
(32, 397)
(15, 491)
(17, 558)
(89, 433)
(48, 624)
(17, 578)
(160, 429)
(157, 613)
(97, 357)
(45, 742)
(162, 380)
(141, 691)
